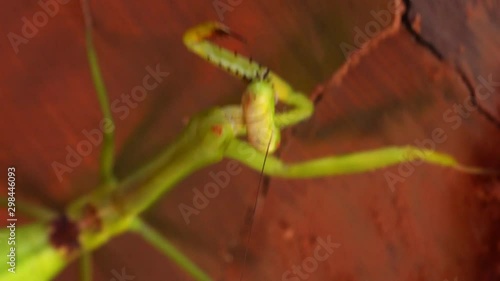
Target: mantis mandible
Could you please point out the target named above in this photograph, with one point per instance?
(115, 207)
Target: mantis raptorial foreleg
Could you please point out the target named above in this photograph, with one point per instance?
(242, 67)
(258, 102)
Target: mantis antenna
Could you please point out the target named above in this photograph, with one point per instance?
(259, 187)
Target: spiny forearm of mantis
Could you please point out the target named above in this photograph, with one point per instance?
(209, 137)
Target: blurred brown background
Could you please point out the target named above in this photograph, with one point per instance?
(409, 80)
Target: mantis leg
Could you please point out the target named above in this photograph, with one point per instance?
(37, 212)
(196, 41)
(108, 146)
(168, 249)
(232, 115)
(38, 258)
(353, 163)
(86, 267)
(302, 109)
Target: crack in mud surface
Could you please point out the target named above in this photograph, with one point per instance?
(407, 23)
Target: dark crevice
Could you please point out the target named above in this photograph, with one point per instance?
(317, 97)
(407, 23)
(473, 98)
(489, 256)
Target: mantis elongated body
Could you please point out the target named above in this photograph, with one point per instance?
(115, 207)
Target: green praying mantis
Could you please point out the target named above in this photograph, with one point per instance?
(48, 245)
